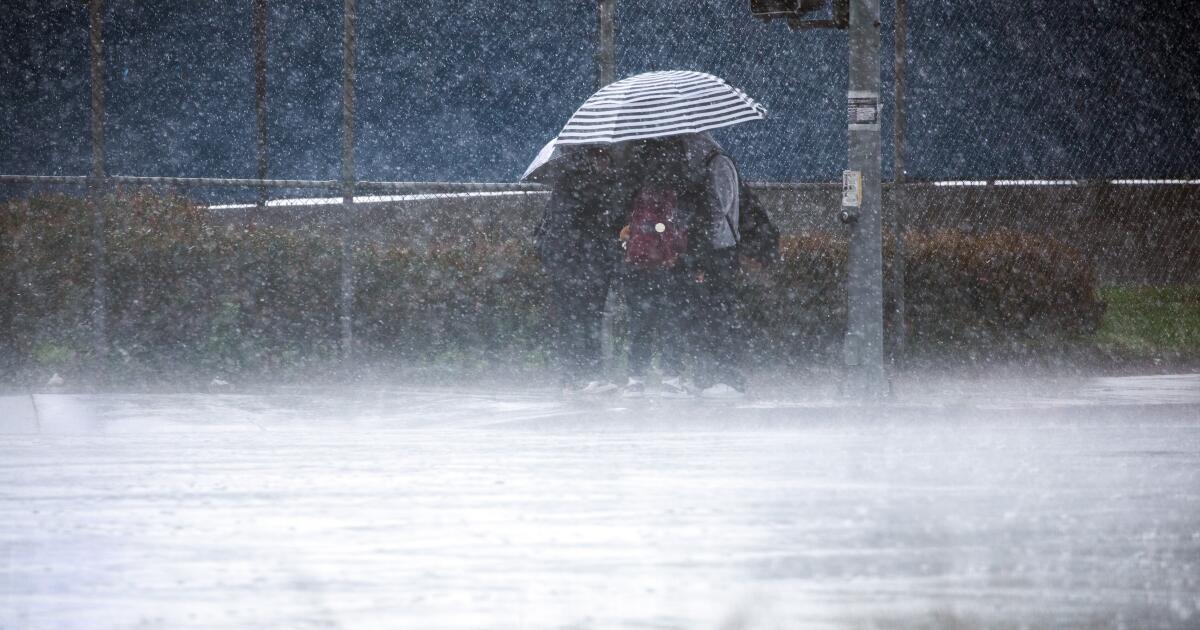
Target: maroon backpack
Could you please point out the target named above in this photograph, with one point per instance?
(657, 229)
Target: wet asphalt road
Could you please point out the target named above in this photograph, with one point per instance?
(999, 504)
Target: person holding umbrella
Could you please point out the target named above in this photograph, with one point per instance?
(576, 242)
(656, 105)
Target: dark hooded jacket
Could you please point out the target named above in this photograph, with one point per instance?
(578, 233)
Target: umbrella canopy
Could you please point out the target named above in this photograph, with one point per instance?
(651, 105)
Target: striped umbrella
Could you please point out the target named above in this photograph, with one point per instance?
(651, 105)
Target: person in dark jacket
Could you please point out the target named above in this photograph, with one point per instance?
(655, 241)
(682, 282)
(577, 242)
(718, 329)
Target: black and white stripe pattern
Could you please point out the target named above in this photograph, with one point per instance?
(655, 104)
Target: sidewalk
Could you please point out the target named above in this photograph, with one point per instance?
(388, 407)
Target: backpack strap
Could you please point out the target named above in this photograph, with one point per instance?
(710, 196)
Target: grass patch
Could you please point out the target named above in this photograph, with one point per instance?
(1151, 321)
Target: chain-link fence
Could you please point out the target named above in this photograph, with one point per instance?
(1084, 129)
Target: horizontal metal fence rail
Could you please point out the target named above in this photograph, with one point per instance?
(450, 187)
(227, 182)
(468, 187)
(79, 180)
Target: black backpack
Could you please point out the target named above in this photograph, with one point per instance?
(759, 238)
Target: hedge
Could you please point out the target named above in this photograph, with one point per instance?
(187, 295)
(1001, 293)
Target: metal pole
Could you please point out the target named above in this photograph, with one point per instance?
(248, 271)
(98, 187)
(606, 57)
(260, 93)
(900, 68)
(347, 223)
(899, 198)
(863, 347)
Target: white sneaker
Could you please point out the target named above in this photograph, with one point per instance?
(676, 387)
(721, 390)
(596, 388)
(636, 388)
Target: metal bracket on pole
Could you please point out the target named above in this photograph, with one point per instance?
(793, 12)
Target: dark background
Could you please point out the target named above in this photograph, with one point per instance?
(471, 90)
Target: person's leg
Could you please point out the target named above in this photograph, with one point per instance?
(701, 333)
(563, 329)
(577, 331)
(639, 300)
(729, 335)
(675, 323)
(593, 296)
(582, 326)
(725, 331)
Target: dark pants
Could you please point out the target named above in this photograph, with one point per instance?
(718, 328)
(578, 309)
(657, 304)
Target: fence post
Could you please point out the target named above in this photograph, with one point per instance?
(260, 94)
(97, 186)
(606, 57)
(346, 307)
(10, 282)
(899, 198)
(606, 61)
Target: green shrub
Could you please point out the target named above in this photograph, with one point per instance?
(1151, 322)
(797, 307)
(45, 258)
(1002, 293)
(187, 295)
(416, 302)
